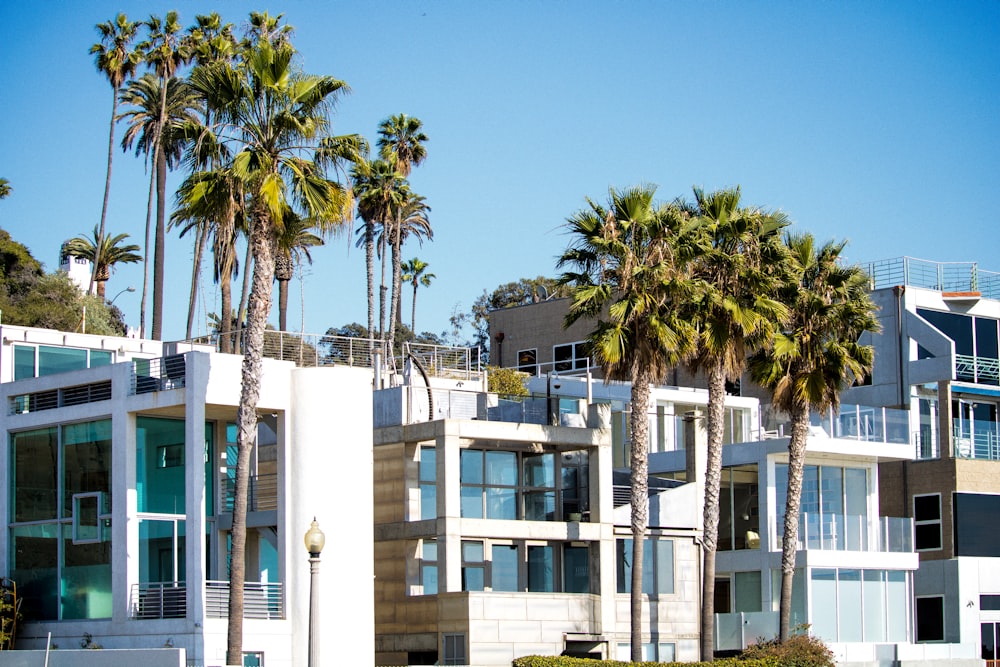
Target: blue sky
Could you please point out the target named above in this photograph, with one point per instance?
(876, 122)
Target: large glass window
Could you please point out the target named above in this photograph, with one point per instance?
(739, 509)
(746, 592)
(798, 611)
(61, 529)
(834, 506)
(975, 524)
(428, 482)
(541, 568)
(576, 569)
(160, 488)
(571, 356)
(927, 522)
(504, 567)
(508, 485)
(850, 605)
(657, 566)
(930, 619)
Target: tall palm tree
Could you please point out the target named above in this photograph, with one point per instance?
(415, 272)
(630, 263)
(272, 117)
(104, 252)
(410, 220)
(735, 315)
(117, 60)
(263, 26)
(165, 51)
(378, 186)
(401, 142)
(815, 355)
(158, 118)
(213, 201)
(208, 40)
(293, 246)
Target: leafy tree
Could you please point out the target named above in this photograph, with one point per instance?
(18, 268)
(158, 118)
(5, 188)
(104, 252)
(735, 314)
(506, 381)
(815, 355)
(415, 272)
(630, 267)
(272, 117)
(115, 58)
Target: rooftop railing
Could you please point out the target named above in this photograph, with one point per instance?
(853, 422)
(940, 276)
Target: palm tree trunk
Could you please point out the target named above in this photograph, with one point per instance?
(793, 502)
(248, 268)
(158, 251)
(102, 285)
(145, 251)
(263, 248)
(382, 290)
(226, 316)
(713, 476)
(199, 251)
(639, 498)
(397, 273)
(413, 314)
(282, 305)
(370, 270)
(107, 183)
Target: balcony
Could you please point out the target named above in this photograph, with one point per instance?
(262, 492)
(981, 370)
(980, 445)
(162, 374)
(160, 600)
(838, 532)
(955, 278)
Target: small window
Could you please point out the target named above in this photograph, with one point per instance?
(428, 483)
(170, 456)
(927, 522)
(989, 602)
(454, 649)
(572, 356)
(527, 361)
(429, 567)
(930, 619)
(473, 567)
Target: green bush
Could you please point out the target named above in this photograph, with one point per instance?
(506, 381)
(563, 661)
(801, 650)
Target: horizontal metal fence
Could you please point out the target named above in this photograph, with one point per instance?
(940, 276)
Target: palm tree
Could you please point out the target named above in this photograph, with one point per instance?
(165, 52)
(263, 26)
(213, 203)
(117, 60)
(293, 246)
(815, 355)
(411, 220)
(105, 252)
(272, 117)
(5, 188)
(735, 314)
(378, 187)
(415, 272)
(208, 40)
(157, 125)
(631, 261)
(401, 142)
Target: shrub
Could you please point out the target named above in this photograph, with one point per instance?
(801, 650)
(563, 661)
(506, 381)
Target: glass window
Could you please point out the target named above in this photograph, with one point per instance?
(35, 459)
(53, 360)
(747, 592)
(657, 566)
(576, 569)
(24, 362)
(160, 489)
(504, 567)
(86, 578)
(571, 356)
(86, 460)
(100, 358)
(527, 361)
(473, 566)
(428, 482)
(798, 615)
(541, 569)
(429, 567)
(897, 605)
(874, 609)
(975, 524)
(849, 604)
(927, 521)
(161, 550)
(540, 496)
(989, 602)
(34, 566)
(454, 649)
(824, 604)
(930, 619)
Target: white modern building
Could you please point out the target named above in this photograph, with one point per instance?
(118, 498)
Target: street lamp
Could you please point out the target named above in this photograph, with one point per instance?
(130, 288)
(314, 539)
(551, 382)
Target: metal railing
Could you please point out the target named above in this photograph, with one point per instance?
(57, 398)
(161, 599)
(161, 374)
(983, 370)
(829, 531)
(976, 445)
(261, 600)
(940, 276)
(262, 493)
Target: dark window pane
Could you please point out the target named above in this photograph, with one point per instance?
(988, 633)
(930, 619)
(927, 536)
(989, 602)
(576, 569)
(954, 326)
(926, 508)
(975, 524)
(35, 474)
(986, 337)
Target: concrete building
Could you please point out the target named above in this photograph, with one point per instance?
(118, 497)
(937, 358)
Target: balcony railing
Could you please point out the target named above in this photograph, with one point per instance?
(940, 276)
(262, 493)
(261, 600)
(57, 398)
(149, 375)
(839, 532)
(982, 370)
(978, 445)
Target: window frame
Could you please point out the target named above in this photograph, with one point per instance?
(916, 619)
(578, 359)
(525, 366)
(928, 522)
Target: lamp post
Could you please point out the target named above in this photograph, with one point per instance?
(551, 382)
(130, 288)
(314, 539)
